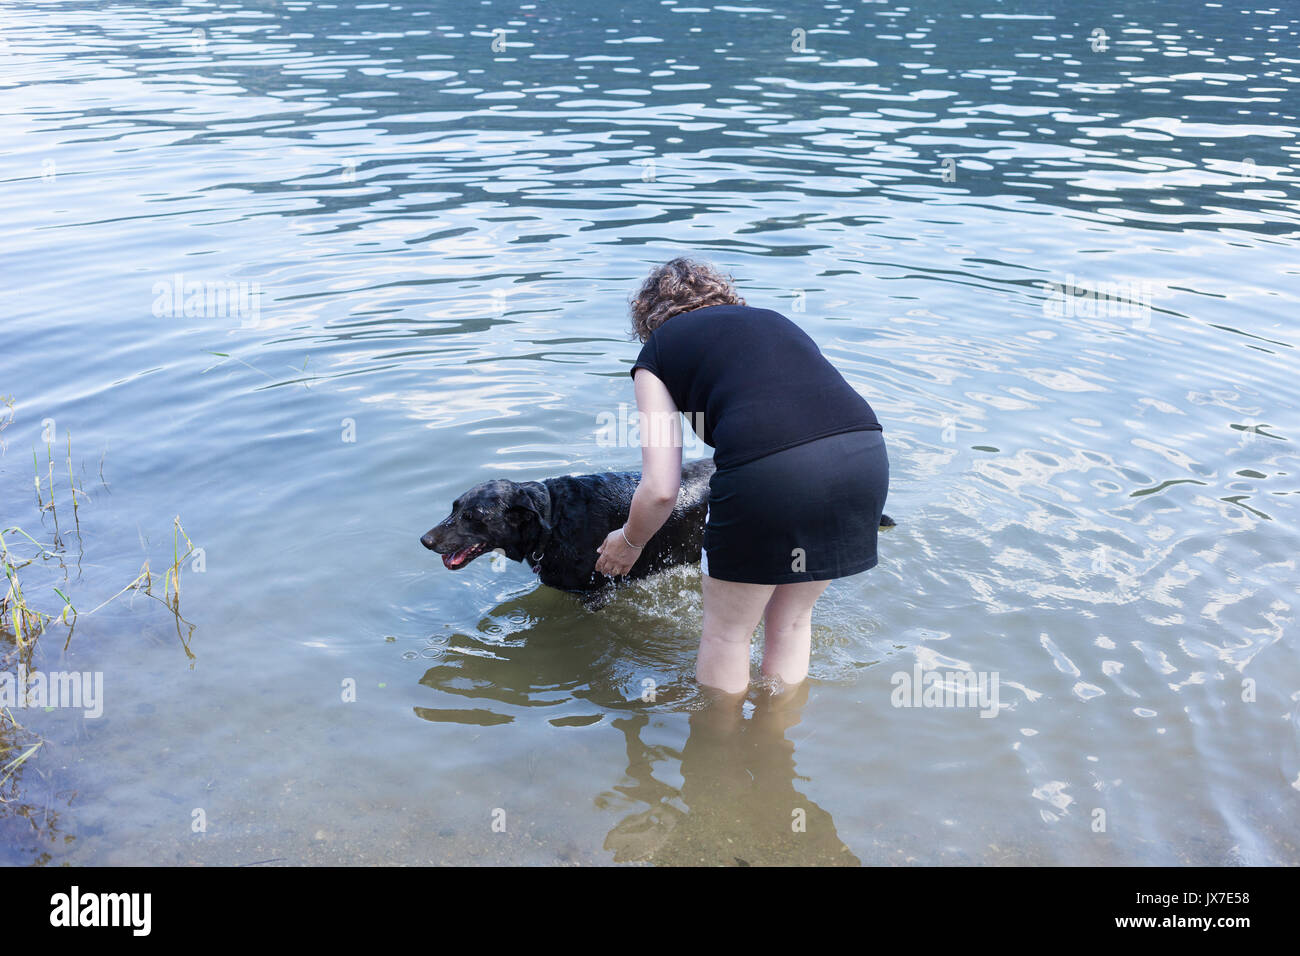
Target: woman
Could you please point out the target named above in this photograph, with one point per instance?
(801, 475)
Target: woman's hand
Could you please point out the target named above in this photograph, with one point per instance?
(616, 555)
(661, 476)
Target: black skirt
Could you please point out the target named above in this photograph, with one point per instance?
(807, 513)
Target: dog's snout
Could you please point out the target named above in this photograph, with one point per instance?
(427, 540)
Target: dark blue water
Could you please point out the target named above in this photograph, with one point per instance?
(1060, 263)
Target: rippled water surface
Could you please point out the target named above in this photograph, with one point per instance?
(436, 212)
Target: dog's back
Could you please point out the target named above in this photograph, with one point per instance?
(585, 508)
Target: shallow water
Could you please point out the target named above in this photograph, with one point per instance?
(1096, 500)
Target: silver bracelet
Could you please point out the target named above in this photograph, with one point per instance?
(634, 547)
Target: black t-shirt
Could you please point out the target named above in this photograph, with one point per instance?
(751, 382)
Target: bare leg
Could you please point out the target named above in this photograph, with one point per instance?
(731, 612)
(787, 629)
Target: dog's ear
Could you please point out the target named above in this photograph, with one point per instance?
(532, 500)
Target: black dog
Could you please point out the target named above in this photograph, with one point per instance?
(557, 524)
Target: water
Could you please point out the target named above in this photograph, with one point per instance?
(1096, 501)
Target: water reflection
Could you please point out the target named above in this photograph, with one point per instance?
(739, 800)
(738, 803)
(543, 649)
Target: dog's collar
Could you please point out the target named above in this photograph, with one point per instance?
(543, 500)
(535, 559)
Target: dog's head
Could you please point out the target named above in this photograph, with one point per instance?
(511, 516)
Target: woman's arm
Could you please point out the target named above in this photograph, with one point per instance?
(661, 476)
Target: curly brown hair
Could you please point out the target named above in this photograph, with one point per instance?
(677, 286)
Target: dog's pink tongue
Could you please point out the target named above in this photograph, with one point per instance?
(456, 559)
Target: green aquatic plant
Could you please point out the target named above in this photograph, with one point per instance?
(23, 622)
(23, 619)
